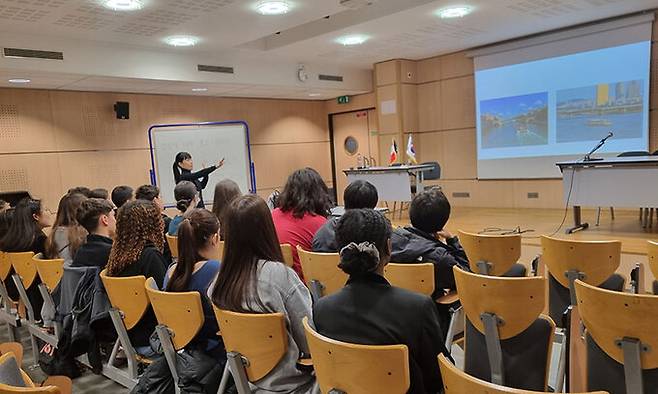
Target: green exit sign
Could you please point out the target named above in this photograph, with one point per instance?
(343, 99)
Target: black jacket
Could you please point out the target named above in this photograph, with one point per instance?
(411, 245)
(369, 311)
(94, 253)
(324, 240)
(199, 178)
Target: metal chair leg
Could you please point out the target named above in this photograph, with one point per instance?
(169, 352)
(612, 213)
(224, 382)
(236, 364)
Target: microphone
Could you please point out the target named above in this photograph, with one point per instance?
(588, 157)
(610, 134)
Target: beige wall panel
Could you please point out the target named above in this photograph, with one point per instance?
(25, 121)
(429, 106)
(386, 73)
(456, 65)
(357, 102)
(653, 88)
(459, 149)
(550, 193)
(655, 27)
(653, 130)
(373, 136)
(38, 173)
(409, 108)
(458, 103)
(390, 122)
(275, 162)
(430, 147)
(429, 69)
(408, 71)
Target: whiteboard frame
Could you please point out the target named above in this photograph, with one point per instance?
(250, 164)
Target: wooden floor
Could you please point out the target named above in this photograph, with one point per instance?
(626, 227)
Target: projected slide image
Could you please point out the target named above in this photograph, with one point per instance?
(588, 113)
(514, 121)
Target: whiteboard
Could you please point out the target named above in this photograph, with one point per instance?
(207, 143)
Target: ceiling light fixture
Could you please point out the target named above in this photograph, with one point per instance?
(181, 41)
(454, 12)
(19, 80)
(199, 89)
(273, 7)
(123, 5)
(356, 39)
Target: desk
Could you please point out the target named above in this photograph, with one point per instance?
(615, 182)
(392, 183)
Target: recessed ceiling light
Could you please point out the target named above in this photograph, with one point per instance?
(273, 7)
(123, 5)
(356, 39)
(315, 94)
(454, 12)
(181, 41)
(19, 80)
(199, 89)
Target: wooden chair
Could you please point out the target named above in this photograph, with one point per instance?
(254, 343)
(52, 384)
(342, 367)
(286, 250)
(13, 347)
(504, 322)
(8, 312)
(622, 351)
(172, 241)
(129, 303)
(491, 254)
(321, 271)
(50, 272)
(652, 256)
(458, 382)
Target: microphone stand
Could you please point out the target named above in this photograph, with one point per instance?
(588, 157)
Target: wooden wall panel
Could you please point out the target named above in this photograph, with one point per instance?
(408, 71)
(386, 73)
(458, 103)
(550, 193)
(25, 121)
(429, 70)
(653, 89)
(357, 102)
(275, 162)
(653, 130)
(459, 153)
(388, 122)
(409, 108)
(429, 106)
(456, 65)
(429, 147)
(38, 173)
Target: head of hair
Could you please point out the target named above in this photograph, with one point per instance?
(5, 221)
(147, 192)
(194, 234)
(250, 237)
(3, 203)
(121, 195)
(91, 210)
(184, 193)
(180, 156)
(99, 193)
(85, 191)
(67, 218)
(23, 228)
(139, 223)
(429, 211)
(305, 192)
(225, 191)
(362, 227)
(360, 194)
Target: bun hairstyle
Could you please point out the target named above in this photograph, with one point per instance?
(180, 156)
(362, 236)
(184, 193)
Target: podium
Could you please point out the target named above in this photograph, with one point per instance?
(392, 183)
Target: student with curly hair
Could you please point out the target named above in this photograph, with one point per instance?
(66, 235)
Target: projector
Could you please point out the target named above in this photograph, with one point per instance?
(356, 4)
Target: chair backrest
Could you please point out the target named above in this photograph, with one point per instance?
(286, 250)
(456, 381)
(128, 295)
(172, 241)
(501, 252)
(5, 265)
(518, 301)
(357, 369)
(633, 153)
(597, 260)
(652, 257)
(24, 266)
(413, 277)
(434, 173)
(50, 271)
(610, 316)
(322, 267)
(181, 312)
(13, 347)
(261, 338)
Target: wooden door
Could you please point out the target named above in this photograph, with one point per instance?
(351, 139)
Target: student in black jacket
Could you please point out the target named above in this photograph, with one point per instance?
(97, 217)
(182, 168)
(369, 311)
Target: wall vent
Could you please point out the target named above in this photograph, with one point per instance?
(32, 53)
(461, 195)
(533, 195)
(333, 78)
(215, 69)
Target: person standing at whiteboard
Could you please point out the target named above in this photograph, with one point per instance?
(183, 172)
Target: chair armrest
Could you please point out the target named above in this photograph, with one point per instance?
(448, 299)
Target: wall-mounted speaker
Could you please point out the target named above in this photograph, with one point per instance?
(122, 109)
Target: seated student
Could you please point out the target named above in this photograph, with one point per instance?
(99, 193)
(121, 195)
(152, 193)
(303, 208)
(187, 198)
(369, 311)
(66, 235)
(137, 250)
(358, 194)
(85, 191)
(197, 266)
(4, 206)
(97, 217)
(253, 279)
(225, 191)
(5, 221)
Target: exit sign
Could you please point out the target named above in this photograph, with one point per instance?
(343, 99)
